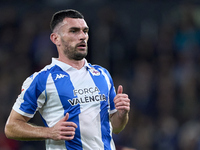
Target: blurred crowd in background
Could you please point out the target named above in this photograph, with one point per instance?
(152, 48)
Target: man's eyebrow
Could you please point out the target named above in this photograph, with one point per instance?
(86, 28)
(77, 28)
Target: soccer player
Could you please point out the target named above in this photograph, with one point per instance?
(76, 100)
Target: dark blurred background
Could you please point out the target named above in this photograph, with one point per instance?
(151, 47)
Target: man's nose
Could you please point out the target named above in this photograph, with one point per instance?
(83, 35)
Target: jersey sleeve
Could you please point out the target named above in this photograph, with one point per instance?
(32, 96)
(111, 97)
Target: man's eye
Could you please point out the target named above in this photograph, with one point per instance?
(73, 31)
(85, 31)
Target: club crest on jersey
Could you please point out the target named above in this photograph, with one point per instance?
(94, 72)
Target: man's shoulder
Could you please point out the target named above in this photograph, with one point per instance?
(95, 66)
(100, 69)
(44, 72)
(40, 78)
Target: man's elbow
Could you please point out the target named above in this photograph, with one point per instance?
(8, 132)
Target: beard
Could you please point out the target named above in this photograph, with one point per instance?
(74, 53)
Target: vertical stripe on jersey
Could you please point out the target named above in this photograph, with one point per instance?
(52, 105)
(89, 118)
(65, 89)
(103, 85)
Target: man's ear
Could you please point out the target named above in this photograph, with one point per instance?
(55, 38)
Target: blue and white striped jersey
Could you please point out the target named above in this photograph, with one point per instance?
(86, 94)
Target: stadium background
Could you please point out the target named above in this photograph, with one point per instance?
(151, 47)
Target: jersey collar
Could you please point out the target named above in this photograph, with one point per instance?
(65, 66)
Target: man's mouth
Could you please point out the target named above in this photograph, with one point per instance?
(82, 45)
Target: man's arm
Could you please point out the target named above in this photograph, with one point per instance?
(18, 128)
(120, 118)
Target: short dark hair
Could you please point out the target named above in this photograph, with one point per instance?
(60, 15)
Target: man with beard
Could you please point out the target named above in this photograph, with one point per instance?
(76, 100)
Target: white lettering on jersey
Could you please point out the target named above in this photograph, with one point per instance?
(90, 90)
(87, 99)
(59, 76)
